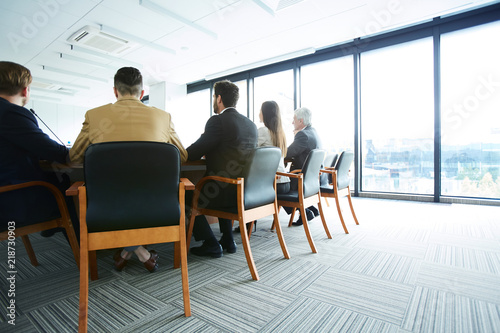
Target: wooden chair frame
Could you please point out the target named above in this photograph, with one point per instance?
(243, 216)
(90, 242)
(302, 204)
(62, 222)
(337, 194)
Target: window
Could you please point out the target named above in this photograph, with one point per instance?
(276, 87)
(470, 97)
(241, 106)
(397, 118)
(196, 108)
(327, 89)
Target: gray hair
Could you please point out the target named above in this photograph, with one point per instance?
(304, 114)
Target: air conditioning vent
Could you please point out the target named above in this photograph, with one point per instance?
(93, 38)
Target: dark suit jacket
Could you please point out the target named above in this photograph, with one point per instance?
(22, 145)
(304, 141)
(226, 144)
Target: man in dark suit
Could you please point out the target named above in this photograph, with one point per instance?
(306, 139)
(227, 142)
(22, 145)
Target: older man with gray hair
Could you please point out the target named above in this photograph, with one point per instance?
(306, 139)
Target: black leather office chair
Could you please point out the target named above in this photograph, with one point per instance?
(308, 192)
(63, 221)
(255, 199)
(339, 184)
(132, 196)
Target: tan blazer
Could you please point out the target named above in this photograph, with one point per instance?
(128, 119)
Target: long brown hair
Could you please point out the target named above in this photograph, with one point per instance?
(272, 120)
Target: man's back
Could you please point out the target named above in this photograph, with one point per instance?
(305, 141)
(226, 143)
(126, 120)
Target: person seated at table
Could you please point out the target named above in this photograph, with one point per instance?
(272, 134)
(22, 145)
(128, 119)
(226, 143)
(306, 139)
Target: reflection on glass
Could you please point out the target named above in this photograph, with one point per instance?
(397, 118)
(470, 97)
(276, 87)
(327, 89)
(196, 108)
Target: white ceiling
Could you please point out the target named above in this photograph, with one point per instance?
(198, 37)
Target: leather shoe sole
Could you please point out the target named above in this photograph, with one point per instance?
(151, 264)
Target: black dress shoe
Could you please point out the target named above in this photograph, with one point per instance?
(299, 222)
(230, 246)
(50, 232)
(314, 210)
(213, 250)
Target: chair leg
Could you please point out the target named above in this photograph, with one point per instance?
(292, 216)
(306, 229)
(70, 232)
(326, 200)
(93, 265)
(340, 212)
(182, 253)
(277, 212)
(84, 288)
(325, 226)
(277, 225)
(350, 205)
(29, 250)
(248, 251)
(250, 228)
(190, 230)
(177, 258)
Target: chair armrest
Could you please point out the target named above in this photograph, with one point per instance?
(329, 171)
(202, 182)
(188, 185)
(73, 189)
(289, 174)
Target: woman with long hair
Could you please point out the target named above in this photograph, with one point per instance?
(272, 134)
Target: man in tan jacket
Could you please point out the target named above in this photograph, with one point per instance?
(128, 119)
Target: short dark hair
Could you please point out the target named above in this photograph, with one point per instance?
(128, 81)
(13, 78)
(228, 91)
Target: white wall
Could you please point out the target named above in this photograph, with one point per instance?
(64, 120)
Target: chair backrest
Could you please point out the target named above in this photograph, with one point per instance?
(131, 185)
(330, 161)
(343, 165)
(310, 170)
(259, 176)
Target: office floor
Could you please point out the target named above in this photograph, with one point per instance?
(408, 267)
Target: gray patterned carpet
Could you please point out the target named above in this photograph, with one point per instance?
(408, 267)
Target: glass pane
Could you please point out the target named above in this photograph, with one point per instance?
(241, 106)
(397, 118)
(276, 87)
(327, 89)
(470, 97)
(197, 107)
